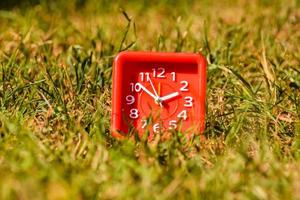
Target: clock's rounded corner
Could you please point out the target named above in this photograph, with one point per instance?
(201, 60)
(117, 134)
(120, 58)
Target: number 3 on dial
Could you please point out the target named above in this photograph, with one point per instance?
(188, 101)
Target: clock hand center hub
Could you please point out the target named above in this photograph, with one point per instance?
(158, 100)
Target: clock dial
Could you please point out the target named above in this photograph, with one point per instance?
(161, 99)
(162, 108)
(159, 96)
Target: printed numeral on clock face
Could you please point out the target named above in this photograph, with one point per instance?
(159, 73)
(157, 127)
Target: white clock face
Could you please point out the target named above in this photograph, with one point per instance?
(161, 99)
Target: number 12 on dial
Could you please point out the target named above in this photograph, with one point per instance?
(158, 92)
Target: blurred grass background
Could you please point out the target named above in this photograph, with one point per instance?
(55, 92)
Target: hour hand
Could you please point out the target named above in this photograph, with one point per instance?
(147, 91)
(169, 96)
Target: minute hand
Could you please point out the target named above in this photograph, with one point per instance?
(147, 91)
(169, 96)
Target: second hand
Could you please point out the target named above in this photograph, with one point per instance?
(157, 97)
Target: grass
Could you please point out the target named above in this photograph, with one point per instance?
(55, 92)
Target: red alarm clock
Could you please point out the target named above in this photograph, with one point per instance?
(158, 92)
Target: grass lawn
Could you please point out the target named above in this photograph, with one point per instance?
(55, 96)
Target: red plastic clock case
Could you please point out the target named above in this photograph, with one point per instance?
(119, 127)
